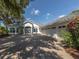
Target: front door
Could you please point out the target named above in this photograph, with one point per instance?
(27, 30)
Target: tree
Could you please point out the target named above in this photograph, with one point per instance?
(10, 9)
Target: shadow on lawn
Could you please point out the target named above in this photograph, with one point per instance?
(29, 47)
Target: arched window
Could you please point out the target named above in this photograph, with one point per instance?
(35, 30)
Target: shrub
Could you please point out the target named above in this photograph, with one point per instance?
(71, 36)
(67, 37)
(3, 31)
(73, 28)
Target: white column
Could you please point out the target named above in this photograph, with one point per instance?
(24, 30)
(31, 31)
(15, 30)
(9, 30)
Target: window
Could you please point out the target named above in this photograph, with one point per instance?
(12, 30)
(60, 27)
(63, 26)
(35, 30)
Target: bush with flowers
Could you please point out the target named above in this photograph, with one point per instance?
(73, 28)
(71, 34)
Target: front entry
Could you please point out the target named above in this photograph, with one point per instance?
(27, 30)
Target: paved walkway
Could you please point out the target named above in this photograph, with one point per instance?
(35, 47)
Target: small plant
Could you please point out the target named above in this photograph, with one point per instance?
(3, 31)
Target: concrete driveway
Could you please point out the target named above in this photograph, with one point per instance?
(27, 47)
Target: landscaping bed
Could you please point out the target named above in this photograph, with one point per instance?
(5, 35)
(73, 52)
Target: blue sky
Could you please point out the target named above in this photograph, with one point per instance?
(47, 11)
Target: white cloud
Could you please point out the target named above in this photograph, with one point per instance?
(61, 16)
(35, 12)
(48, 14)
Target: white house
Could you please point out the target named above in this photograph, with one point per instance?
(31, 28)
(28, 28)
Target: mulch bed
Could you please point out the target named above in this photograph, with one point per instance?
(73, 52)
(2, 36)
